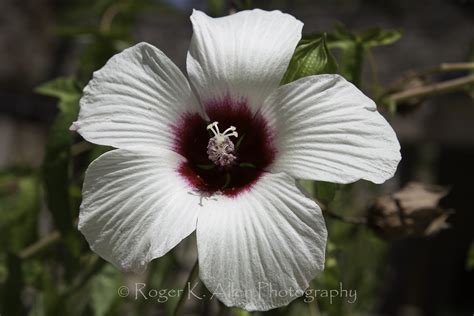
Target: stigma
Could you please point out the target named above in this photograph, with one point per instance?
(220, 149)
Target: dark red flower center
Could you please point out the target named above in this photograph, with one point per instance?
(253, 148)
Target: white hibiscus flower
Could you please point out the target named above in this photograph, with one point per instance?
(220, 155)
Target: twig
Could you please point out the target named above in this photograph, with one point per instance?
(108, 16)
(443, 67)
(182, 299)
(40, 245)
(455, 66)
(431, 89)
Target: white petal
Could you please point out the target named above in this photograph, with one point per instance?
(269, 238)
(329, 130)
(243, 55)
(134, 100)
(136, 207)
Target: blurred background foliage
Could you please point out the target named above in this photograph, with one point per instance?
(46, 267)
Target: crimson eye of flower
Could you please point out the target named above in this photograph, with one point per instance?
(226, 154)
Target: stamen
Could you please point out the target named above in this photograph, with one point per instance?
(220, 148)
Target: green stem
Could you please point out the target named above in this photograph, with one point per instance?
(358, 65)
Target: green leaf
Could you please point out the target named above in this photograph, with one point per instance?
(311, 57)
(56, 167)
(77, 297)
(325, 191)
(206, 166)
(247, 165)
(52, 301)
(342, 33)
(56, 164)
(67, 90)
(307, 186)
(56, 172)
(352, 51)
(97, 151)
(353, 47)
(352, 62)
(19, 205)
(215, 7)
(104, 290)
(341, 37)
(379, 37)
